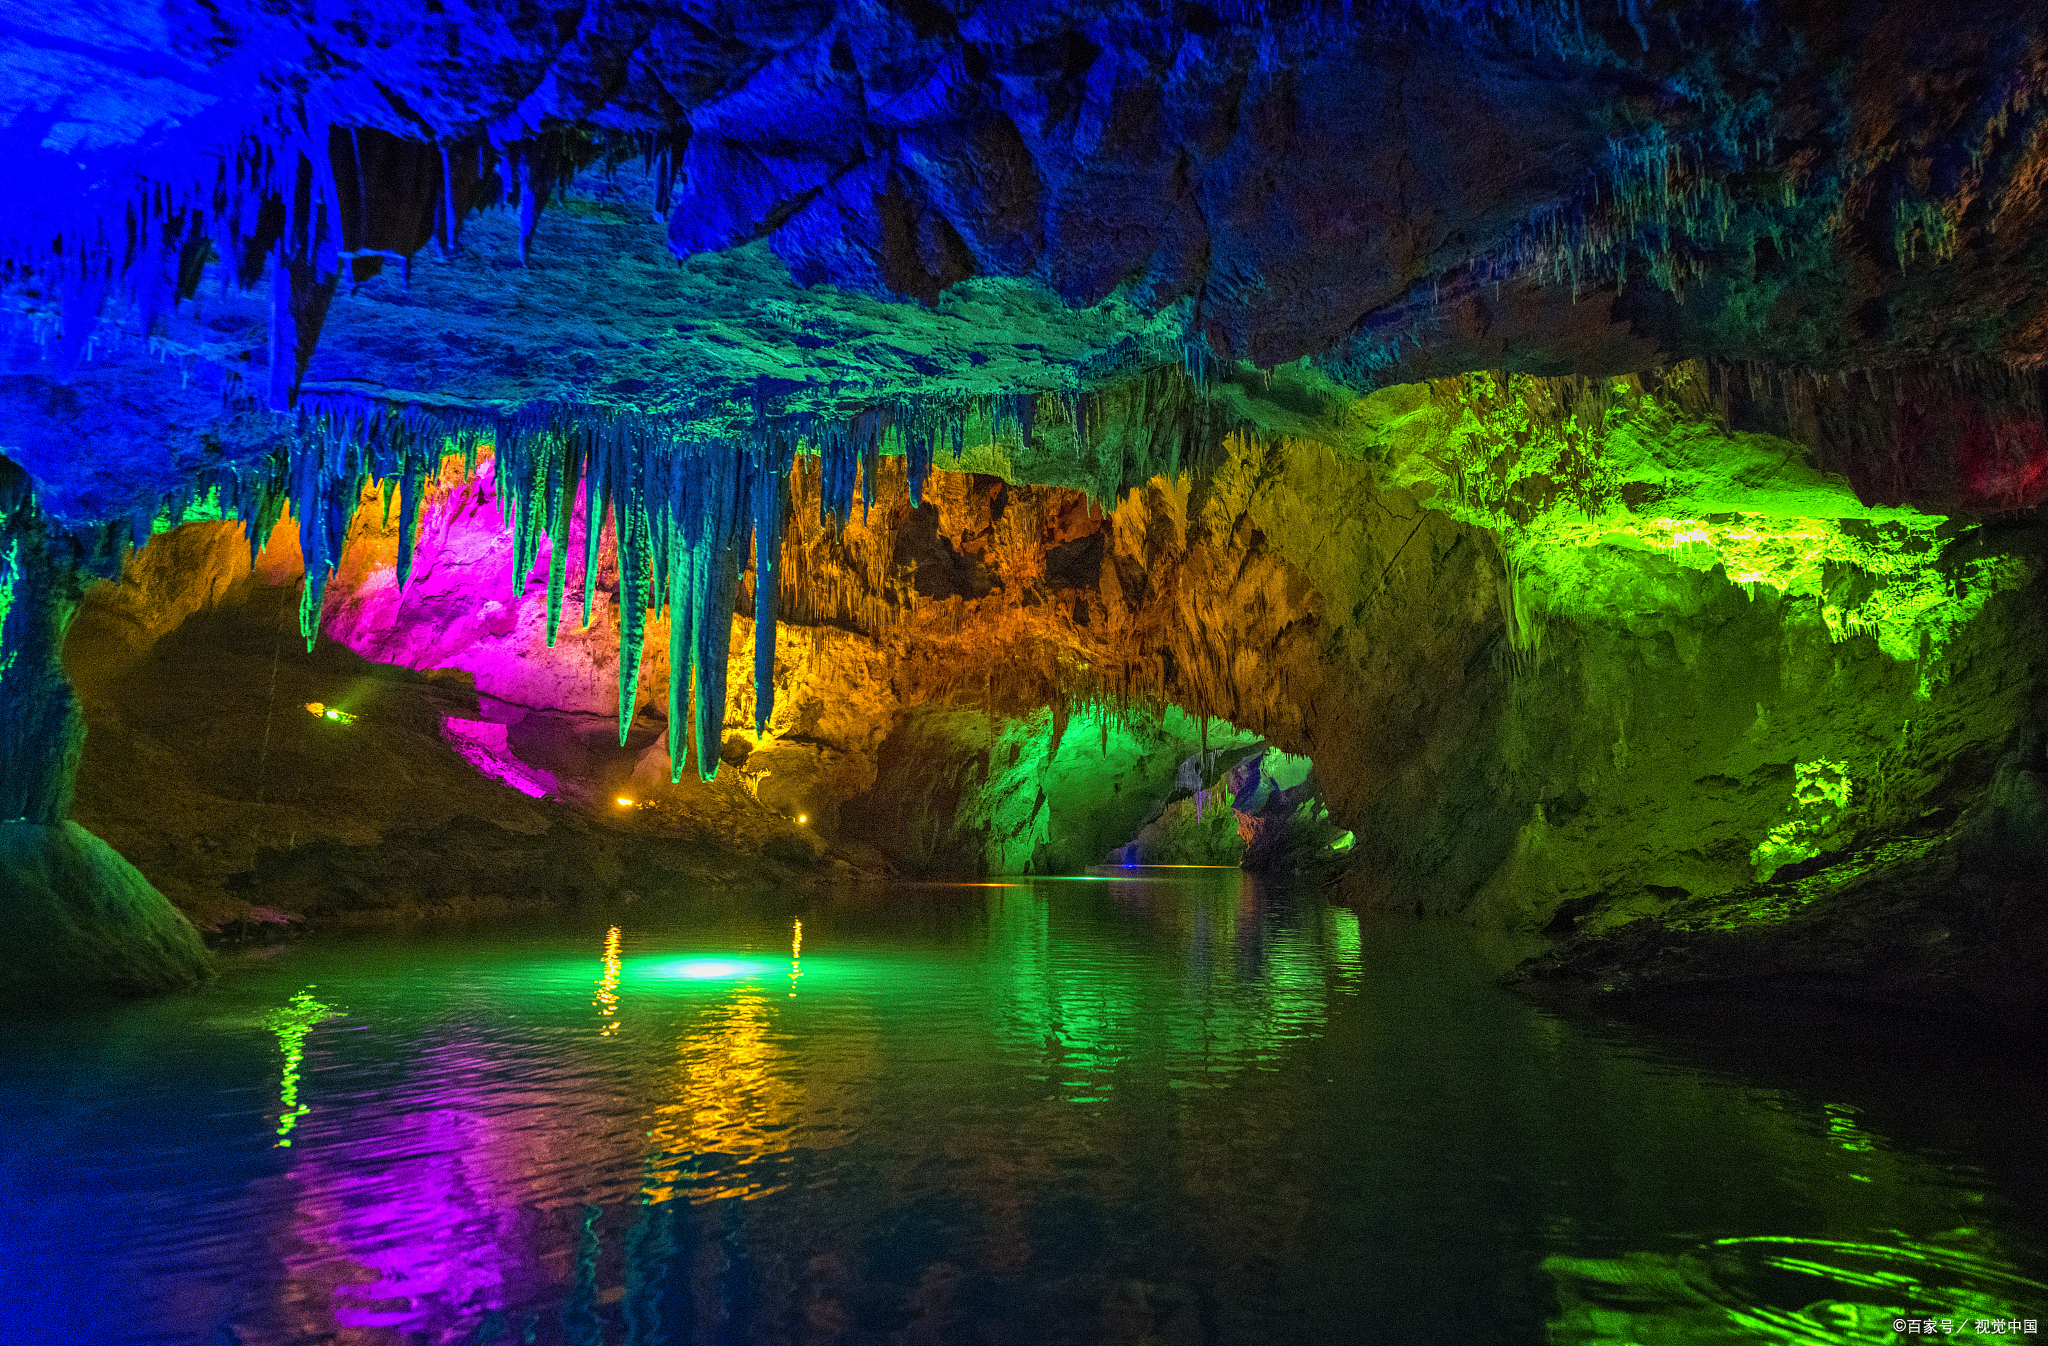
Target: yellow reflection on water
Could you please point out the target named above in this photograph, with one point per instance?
(607, 1000)
(733, 1098)
(291, 1024)
(796, 956)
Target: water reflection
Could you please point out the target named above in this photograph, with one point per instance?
(1807, 1291)
(734, 1103)
(297, 1018)
(607, 1000)
(1115, 1112)
(1253, 975)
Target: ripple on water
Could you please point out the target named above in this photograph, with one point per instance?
(1800, 1291)
(1188, 1109)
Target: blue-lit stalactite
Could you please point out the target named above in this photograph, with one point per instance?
(683, 500)
(309, 202)
(770, 492)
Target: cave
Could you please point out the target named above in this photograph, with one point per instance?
(922, 671)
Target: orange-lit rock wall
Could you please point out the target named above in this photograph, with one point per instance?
(927, 658)
(1289, 597)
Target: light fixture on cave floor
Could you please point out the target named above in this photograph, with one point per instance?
(624, 802)
(321, 711)
(802, 818)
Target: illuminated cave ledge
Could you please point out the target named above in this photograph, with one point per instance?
(1550, 467)
(1912, 608)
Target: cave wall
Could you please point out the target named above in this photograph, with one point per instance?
(1544, 704)
(959, 790)
(80, 915)
(1669, 731)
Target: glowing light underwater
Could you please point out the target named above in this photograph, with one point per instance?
(708, 969)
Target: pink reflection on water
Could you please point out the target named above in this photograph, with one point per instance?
(444, 1203)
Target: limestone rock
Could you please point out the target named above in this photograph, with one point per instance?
(82, 920)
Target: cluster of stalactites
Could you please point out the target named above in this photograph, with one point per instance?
(304, 203)
(682, 504)
(682, 509)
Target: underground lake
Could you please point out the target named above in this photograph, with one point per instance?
(1172, 1106)
(953, 672)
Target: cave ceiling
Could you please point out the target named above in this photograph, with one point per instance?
(214, 216)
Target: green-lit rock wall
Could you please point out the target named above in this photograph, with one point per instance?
(960, 791)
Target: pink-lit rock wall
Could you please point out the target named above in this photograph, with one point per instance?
(464, 609)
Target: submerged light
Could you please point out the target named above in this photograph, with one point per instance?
(709, 969)
(803, 817)
(321, 711)
(624, 802)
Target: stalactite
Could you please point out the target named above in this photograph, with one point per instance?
(629, 514)
(563, 470)
(771, 508)
(721, 520)
(682, 611)
(682, 507)
(837, 458)
(594, 508)
(410, 484)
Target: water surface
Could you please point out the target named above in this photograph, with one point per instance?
(1170, 1108)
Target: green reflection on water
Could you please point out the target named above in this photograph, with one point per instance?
(1957, 1287)
(292, 1023)
(1244, 990)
